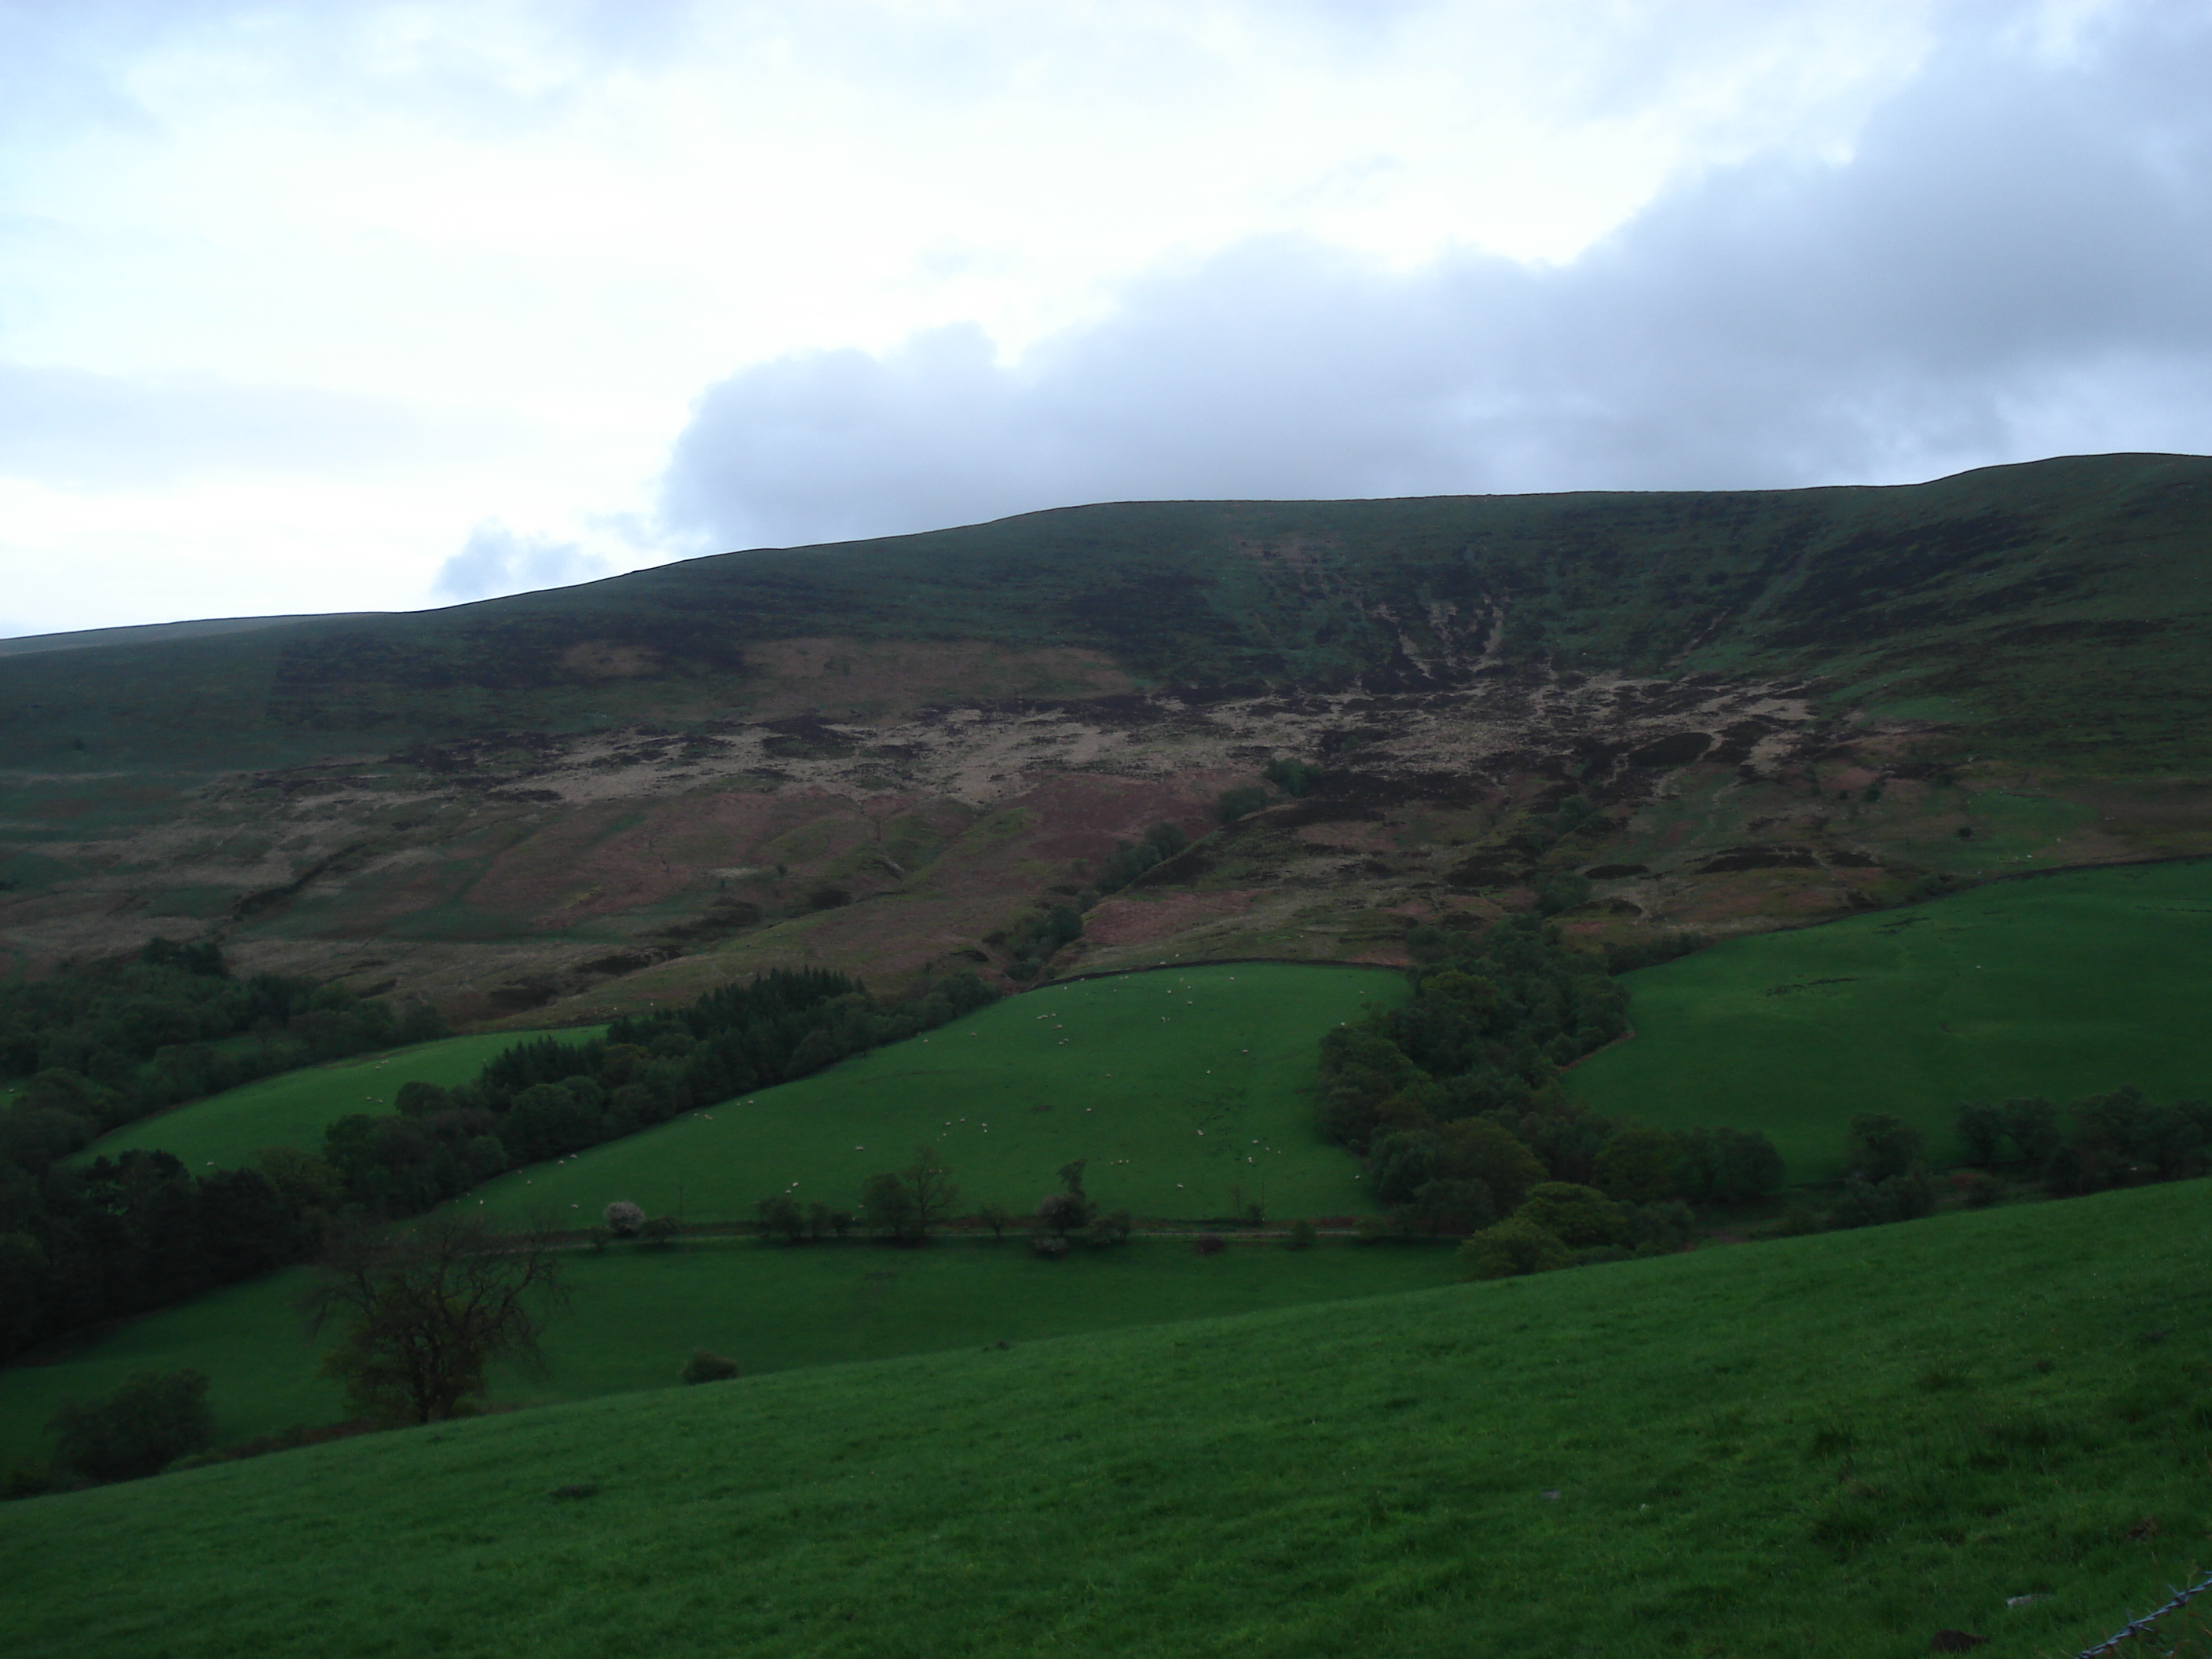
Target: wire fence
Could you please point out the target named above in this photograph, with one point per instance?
(2141, 1626)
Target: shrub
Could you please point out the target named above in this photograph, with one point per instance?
(623, 1218)
(891, 1207)
(1302, 1235)
(1209, 1244)
(32, 1477)
(997, 1217)
(1661, 1229)
(1561, 892)
(1241, 802)
(1879, 1144)
(146, 1424)
(1726, 1166)
(1637, 1165)
(781, 1214)
(600, 1237)
(1915, 1192)
(1512, 1248)
(419, 1099)
(1445, 1206)
(704, 1367)
(1049, 1246)
(659, 1232)
(1063, 1212)
(1111, 1228)
(1576, 1216)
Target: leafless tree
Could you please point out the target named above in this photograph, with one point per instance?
(428, 1310)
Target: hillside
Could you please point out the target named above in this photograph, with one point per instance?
(1832, 1446)
(2069, 984)
(880, 755)
(634, 1315)
(1187, 1092)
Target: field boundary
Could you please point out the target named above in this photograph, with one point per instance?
(1218, 962)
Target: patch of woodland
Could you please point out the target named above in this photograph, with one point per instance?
(1455, 1101)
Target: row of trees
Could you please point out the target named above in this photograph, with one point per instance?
(902, 1206)
(124, 1235)
(79, 1246)
(546, 1098)
(2122, 1138)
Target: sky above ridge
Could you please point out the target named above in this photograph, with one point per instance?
(344, 307)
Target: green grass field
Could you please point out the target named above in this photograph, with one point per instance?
(634, 1316)
(2062, 986)
(1182, 1088)
(294, 1108)
(1833, 1446)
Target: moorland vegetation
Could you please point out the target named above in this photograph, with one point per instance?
(559, 807)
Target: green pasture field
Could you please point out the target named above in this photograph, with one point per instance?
(294, 1108)
(634, 1315)
(2063, 985)
(1184, 1088)
(1832, 1446)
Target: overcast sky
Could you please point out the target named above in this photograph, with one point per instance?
(328, 307)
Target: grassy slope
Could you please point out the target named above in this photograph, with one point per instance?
(1179, 1086)
(2064, 985)
(2056, 609)
(1833, 1446)
(634, 1317)
(292, 1108)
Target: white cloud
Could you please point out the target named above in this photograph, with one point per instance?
(496, 561)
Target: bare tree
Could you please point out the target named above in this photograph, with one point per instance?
(428, 1310)
(934, 1192)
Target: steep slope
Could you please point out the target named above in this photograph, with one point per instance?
(1788, 704)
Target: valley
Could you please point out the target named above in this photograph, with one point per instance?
(1201, 868)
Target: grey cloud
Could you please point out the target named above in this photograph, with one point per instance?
(497, 560)
(2016, 260)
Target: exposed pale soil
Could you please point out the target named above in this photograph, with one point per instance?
(522, 877)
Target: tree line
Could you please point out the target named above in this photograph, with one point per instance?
(2122, 1139)
(901, 1206)
(123, 1236)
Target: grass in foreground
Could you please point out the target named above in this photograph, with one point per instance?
(1185, 1089)
(1832, 1446)
(2063, 986)
(635, 1315)
(293, 1108)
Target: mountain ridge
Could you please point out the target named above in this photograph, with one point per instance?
(675, 773)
